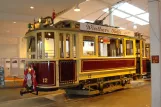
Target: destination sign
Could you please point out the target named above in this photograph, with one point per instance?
(105, 29)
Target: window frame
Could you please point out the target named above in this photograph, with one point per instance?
(111, 36)
(95, 45)
(134, 48)
(43, 37)
(71, 44)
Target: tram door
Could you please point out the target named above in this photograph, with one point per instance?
(67, 63)
(138, 57)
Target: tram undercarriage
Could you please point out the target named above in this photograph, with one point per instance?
(100, 85)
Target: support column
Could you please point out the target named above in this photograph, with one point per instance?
(111, 20)
(155, 40)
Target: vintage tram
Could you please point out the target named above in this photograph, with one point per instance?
(84, 58)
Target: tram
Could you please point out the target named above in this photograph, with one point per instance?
(84, 58)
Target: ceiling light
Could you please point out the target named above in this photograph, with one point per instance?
(84, 20)
(77, 9)
(87, 0)
(122, 28)
(135, 26)
(31, 7)
(14, 22)
(106, 10)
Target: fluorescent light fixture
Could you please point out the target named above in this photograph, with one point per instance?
(126, 10)
(137, 21)
(135, 26)
(144, 16)
(126, 7)
(84, 20)
(106, 10)
(77, 9)
(122, 28)
(120, 14)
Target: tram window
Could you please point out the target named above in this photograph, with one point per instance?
(31, 56)
(74, 46)
(61, 41)
(39, 45)
(31, 44)
(147, 51)
(67, 45)
(143, 49)
(64, 43)
(89, 46)
(129, 47)
(110, 47)
(49, 45)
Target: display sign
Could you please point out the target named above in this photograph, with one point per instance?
(105, 29)
(155, 59)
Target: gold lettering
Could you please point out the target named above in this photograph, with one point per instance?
(45, 80)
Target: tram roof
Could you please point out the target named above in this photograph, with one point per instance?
(70, 25)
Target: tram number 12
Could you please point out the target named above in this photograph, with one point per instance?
(45, 80)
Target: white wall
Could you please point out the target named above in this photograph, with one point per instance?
(8, 50)
(22, 48)
(9, 47)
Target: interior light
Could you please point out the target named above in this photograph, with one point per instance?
(14, 22)
(77, 9)
(49, 34)
(31, 7)
(87, 0)
(101, 40)
(39, 20)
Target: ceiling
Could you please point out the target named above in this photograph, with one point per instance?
(91, 10)
(19, 11)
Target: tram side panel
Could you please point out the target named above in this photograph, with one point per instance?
(45, 73)
(98, 68)
(67, 71)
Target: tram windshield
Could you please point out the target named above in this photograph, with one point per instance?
(31, 44)
(49, 45)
